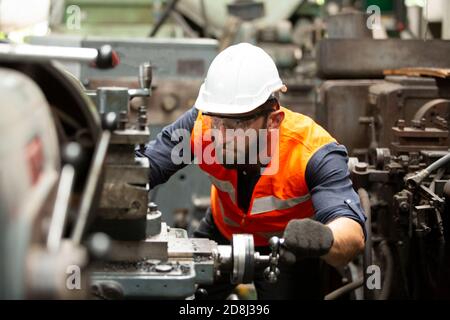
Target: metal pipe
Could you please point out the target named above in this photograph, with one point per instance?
(389, 274)
(178, 18)
(71, 154)
(44, 53)
(102, 58)
(387, 283)
(438, 164)
(91, 186)
(205, 18)
(61, 207)
(367, 258)
(345, 289)
(415, 180)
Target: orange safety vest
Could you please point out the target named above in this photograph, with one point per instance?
(276, 198)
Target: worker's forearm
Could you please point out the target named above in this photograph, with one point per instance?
(348, 241)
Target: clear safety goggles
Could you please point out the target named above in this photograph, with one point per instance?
(233, 122)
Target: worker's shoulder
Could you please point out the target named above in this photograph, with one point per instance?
(185, 121)
(191, 114)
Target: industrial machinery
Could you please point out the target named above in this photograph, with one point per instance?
(404, 190)
(75, 217)
(402, 175)
(178, 69)
(396, 109)
(393, 96)
(168, 264)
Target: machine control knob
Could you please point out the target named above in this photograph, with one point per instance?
(272, 272)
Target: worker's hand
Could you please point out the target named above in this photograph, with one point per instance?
(305, 238)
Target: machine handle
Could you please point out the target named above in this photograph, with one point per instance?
(109, 124)
(106, 58)
(72, 155)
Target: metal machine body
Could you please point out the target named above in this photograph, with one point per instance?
(123, 203)
(171, 265)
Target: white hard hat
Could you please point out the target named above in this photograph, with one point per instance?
(241, 78)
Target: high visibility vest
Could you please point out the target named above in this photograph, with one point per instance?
(277, 198)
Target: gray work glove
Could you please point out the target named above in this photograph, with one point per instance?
(305, 238)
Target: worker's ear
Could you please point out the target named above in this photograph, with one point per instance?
(275, 119)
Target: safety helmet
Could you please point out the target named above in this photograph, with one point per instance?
(240, 79)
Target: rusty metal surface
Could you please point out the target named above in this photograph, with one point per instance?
(418, 72)
(411, 139)
(361, 104)
(132, 251)
(123, 201)
(342, 102)
(348, 25)
(130, 136)
(400, 98)
(124, 194)
(367, 58)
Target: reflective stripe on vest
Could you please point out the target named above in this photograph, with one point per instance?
(227, 220)
(272, 203)
(260, 205)
(224, 186)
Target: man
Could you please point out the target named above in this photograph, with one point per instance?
(289, 179)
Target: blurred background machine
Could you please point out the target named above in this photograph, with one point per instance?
(379, 67)
(392, 94)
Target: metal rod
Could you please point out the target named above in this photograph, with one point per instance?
(205, 18)
(44, 53)
(163, 17)
(91, 185)
(367, 258)
(345, 289)
(415, 180)
(389, 273)
(188, 31)
(61, 207)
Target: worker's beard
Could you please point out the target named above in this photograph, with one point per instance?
(243, 148)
